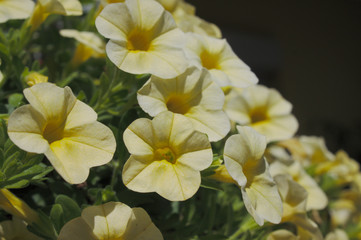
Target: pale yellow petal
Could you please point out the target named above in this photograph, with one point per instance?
(81, 148)
(246, 146)
(79, 115)
(140, 227)
(337, 234)
(52, 101)
(262, 199)
(282, 234)
(107, 221)
(72, 7)
(76, 229)
(15, 9)
(138, 137)
(89, 39)
(214, 123)
(25, 128)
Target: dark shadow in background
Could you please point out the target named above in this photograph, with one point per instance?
(310, 50)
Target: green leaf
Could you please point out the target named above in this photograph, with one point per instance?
(57, 216)
(70, 207)
(211, 184)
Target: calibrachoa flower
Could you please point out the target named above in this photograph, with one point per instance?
(316, 198)
(15, 9)
(15, 229)
(90, 45)
(294, 207)
(113, 220)
(263, 109)
(44, 8)
(337, 234)
(167, 155)
(244, 160)
(143, 38)
(64, 129)
(217, 56)
(192, 94)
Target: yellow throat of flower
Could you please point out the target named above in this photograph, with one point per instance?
(258, 115)
(139, 40)
(178, 103)
(54, 131)
(165, 154)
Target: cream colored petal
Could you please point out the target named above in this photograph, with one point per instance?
(241, 148)
(81, 148)
(306, 228)
(138, 137)
(277, 104)
(147, 13)
(282, 234)
(175, 183)
(79, 115)
(107, 221)
(15, 9)
(151, 100)
(214, 123)
(89, 39)
(52, 7)
(52, 101)
(72, 7)
(76, 229)
(115, 22)
(140, 227)
(337, 234)
(198, 160)
(317, 198)
(25, 128)
(262, 199)
(277, 128)
(184, 139)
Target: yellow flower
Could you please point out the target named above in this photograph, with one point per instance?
(192, 94)
(282, 234)
(143, 38)
(294, 207)
(64, 129)
(34, 78)
(167, 155)
(16, 207)
(217, 56)
(44, 8)
(90, 45)
(316, 198)
(15, 9)
(15, 229)
(113, 220)
(243, 157)
(263, 109)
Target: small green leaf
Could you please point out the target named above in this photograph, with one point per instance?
(57, 216)
(70, 207)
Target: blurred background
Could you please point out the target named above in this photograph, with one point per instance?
(310, 50)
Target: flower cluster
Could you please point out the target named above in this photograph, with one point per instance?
(156, 130)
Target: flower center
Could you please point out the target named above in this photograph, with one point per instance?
(53, 131)
(138, 41)
(259, 115)
(165, 154)
(178, 104)
(209, 60)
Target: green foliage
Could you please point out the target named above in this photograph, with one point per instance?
(18, 168)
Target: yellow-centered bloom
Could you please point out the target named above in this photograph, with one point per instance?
(167, 155)
(294, 199)
(15, 229)
(34, 78)
(143, 38)
(90, 45)
(217, 56)
(15, 9)
(64, 129)
(263, 109)
(44, 8)
(113, 221)
(192, 94)
(16, 207)
(244, 160)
